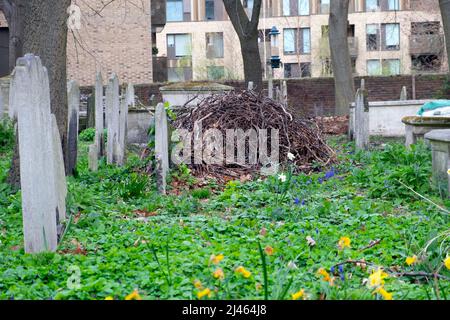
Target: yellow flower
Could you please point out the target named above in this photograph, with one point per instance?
(218, 274)
(198, 285)
(447, 262)
(133, 296)
(203, 293)
(298, 295)
(376, 279)
(109, 298)
(245, 273)
(411, 260)
(386, 295)
(269, 250)
(448, 171)
(216, 259)
(344, 242)
(322, 272)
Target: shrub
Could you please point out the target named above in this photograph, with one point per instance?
(6, 135)
(87, 135)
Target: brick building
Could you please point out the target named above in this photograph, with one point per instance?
(386, 37)
(114, 37)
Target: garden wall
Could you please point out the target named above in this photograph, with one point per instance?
(315, 96)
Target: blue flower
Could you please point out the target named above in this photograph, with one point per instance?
(297, 201)
(320, 180)
(303, 202)
(309, 181)
(342, 277)
(317, 230)
(332, 269)
(303, 230)
(341, 268)
(330, 174)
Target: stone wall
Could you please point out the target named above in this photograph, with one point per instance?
(315, 96)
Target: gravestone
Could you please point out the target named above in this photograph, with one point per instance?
(93, 157)
(161, 147)
(73, 92)
(250, 86)
(60, 173)
(112, 118)
(284, 94)
(404, 94)
(126, 103)
(361, 119)
(270, 88)
(91, 112)
(99, 115)
(440, 147)
(42, 175)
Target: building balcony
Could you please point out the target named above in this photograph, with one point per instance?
(324, 47)
(426, 44)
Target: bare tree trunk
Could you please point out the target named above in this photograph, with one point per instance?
(13, 11)
(40, 27)
(340, 56)
(247, 31)
(445, 12)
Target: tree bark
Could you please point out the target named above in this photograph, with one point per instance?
(40, 27)
(444, 5)
(340, 56)
(247, 31)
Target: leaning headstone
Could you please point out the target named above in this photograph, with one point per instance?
(40, 152)
(126, 103)
(404, 94)
(60, 173)
(93, 158)
(99, 117)
(161, 147)
(91, 112)
(73, 92)
(361, 119)
(112, 118)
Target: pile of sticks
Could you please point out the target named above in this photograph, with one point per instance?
(250, 110)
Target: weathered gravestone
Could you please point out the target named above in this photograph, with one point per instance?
(42, 175)
(361, 119)
(161, 147)
(93, 157)
(91, 112)
(440, 147)
(73, 94)
(404, 94)
(126, 103)
(99, 116)
(250, 86)
(112, 119)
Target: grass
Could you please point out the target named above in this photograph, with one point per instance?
(123, 236)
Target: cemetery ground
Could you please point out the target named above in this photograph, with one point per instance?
(318, 236)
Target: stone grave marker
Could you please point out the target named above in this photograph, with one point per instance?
(361, 119)
(161, 147)
(404, 94)
(99, 115)
(112, 118)
(73, 92)
(91, 112)
(93, 158)
(440, 148)
(41, 167)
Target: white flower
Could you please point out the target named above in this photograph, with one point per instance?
(282, 177)
(291, 265)
(311, 241)
(448, 172)
(290, 156)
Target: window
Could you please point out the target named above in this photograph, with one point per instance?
(214, 45)
(291, 70)
(324, 6)
(393, 5)
(216, 72)
(372, 5)
(303, 8)
(305, 41)
(179, 74)
(286, 7)
(305, 70)
(297, 41)
(178, 45)
(174, 10)
(391, 33)
(373, 37)
(209, 10)
(426, 63)
(391, 67)
(289, 41)
(373, 67)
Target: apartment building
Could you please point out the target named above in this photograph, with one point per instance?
(386, 37)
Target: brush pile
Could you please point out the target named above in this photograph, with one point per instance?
(250, 110)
